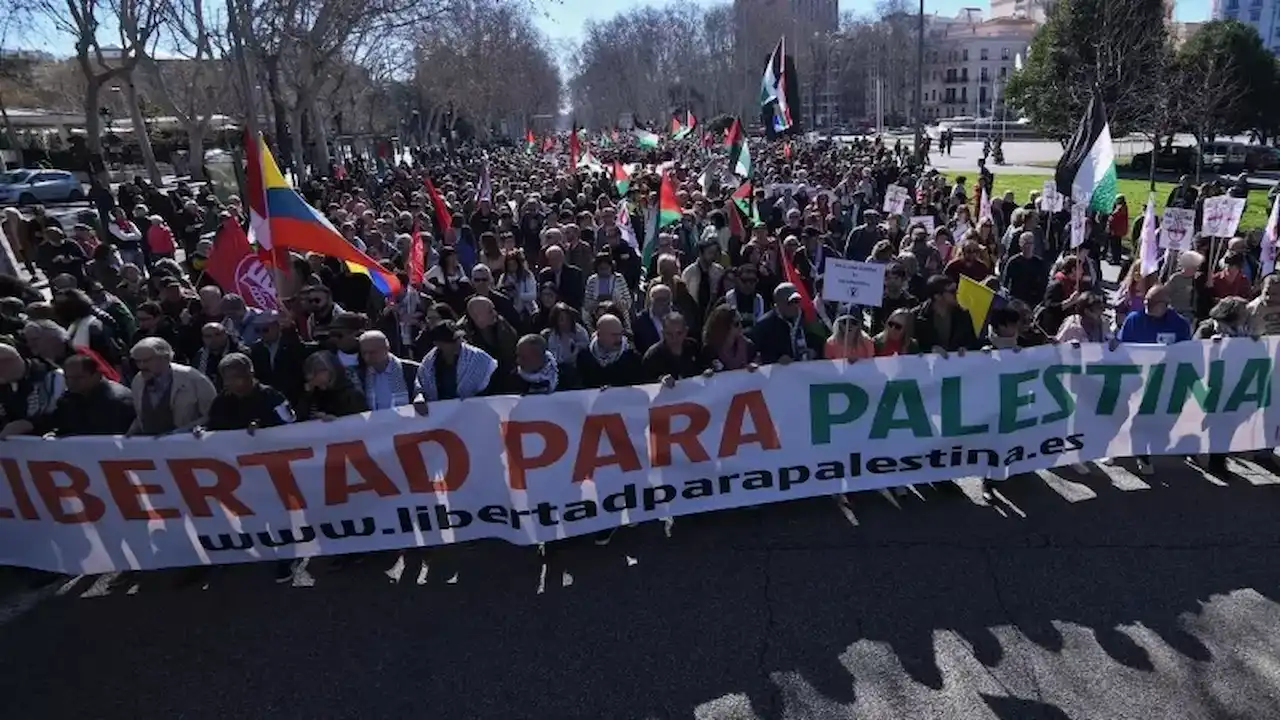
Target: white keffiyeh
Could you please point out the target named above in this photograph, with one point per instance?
(395, 376)
(544, 380)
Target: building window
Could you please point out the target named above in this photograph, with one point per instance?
(983, 77)
(1255, 14)
(964, 75)
(965, 54)
(964, 96)
(1004, 53)
(1233, 4)
(1004, 72)
(982, 54)
(1229, 15)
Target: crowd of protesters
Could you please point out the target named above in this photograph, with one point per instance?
(535, 289)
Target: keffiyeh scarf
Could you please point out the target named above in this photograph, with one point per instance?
(607, 357)
(544, 380)
(474, 369)
(395, 375)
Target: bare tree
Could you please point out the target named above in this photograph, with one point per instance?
(84, 21)
(299, 44)
(198, 81)
(1209, 90)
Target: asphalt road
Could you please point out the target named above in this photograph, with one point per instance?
(1108, 596)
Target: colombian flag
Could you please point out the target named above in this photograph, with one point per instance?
(295, 225)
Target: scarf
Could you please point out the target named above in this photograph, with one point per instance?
(395, 376)
(544, 380)
(757, 304)
(475, 367)
(607, 357)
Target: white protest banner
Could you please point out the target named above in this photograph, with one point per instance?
(1221, 216)
(1050, 198)
(895, 199)
(853, 282)
(542, 468)
(1177, 228)
(926, 220)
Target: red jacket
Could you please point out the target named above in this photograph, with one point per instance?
(1118, 224)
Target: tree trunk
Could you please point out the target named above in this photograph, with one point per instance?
(320, 136)
(141, 135)
(298, 157)
(96, 163)
(8, 130)
(283, 139)
(195, 146)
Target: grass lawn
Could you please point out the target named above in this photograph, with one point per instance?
(1135, 191)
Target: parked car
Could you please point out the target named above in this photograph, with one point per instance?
(31, 186)
(1176, 160)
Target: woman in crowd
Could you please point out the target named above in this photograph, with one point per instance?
(724, 345)
(1086, 321)
(606, 285)
(848, 341)
(896, 338)
(329, 392)
(566, 339)
(519, 284)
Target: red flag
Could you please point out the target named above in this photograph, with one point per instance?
(238, 269)
(548, 144)
(416, 253)
(443, 220)
(793, 277)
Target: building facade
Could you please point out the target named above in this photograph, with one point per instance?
(1262, 15)
(968, 61)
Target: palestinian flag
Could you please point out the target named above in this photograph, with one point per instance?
(779, 99)
(1088, 167)
(529, 142)
(739, 154)
(744, 200)
(646, 139)
(621, 178)
(679, 130)
(668, 214)
(690, 121)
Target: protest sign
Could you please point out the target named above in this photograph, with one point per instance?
(1177, 228)
(543, 468)
(1222, 216)
(1050, 198)
(926, 220)
(853, 282)
(895, 199)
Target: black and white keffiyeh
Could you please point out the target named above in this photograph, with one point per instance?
(544, 380)
(475, 368)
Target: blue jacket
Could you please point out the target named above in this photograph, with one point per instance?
(1139, 327)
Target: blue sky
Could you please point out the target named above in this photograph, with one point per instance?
(563, 19)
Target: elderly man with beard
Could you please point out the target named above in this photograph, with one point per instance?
(388, 381)
(167, 397)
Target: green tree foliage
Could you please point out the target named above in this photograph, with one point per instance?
(1117, 46)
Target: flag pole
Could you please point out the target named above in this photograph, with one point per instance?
(239, 25)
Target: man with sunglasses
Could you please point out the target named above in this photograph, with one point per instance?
(941, 324)
(320, 308)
